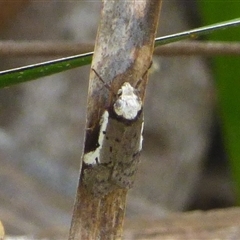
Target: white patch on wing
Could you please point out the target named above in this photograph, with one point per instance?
(93, 157)
(141, 138)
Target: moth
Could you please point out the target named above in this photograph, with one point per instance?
(113, 164)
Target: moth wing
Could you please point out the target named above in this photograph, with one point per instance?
(123, 174)
(97, 180)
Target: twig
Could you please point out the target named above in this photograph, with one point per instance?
(123, 53)
(54, 49)
(210, 48)
(43, 49)
(214, 224)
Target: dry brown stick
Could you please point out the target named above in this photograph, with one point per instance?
(123, 52)
(54, 49)
(43, 48)
(195, 225)
(210, 48)
(219, 224)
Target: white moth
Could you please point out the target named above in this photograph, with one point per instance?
(128, 103)
(113, 164)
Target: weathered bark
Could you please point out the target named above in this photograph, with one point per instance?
(123, 52)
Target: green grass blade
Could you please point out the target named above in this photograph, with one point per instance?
(35, 71)
(227, 79)
(197, 32)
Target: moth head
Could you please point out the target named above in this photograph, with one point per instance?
(128, 102)
(126, 90)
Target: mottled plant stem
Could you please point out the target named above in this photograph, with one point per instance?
(123, 52)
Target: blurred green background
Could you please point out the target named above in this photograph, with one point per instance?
(226, 71)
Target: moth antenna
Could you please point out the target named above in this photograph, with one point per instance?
(139, 81)
(104, 83)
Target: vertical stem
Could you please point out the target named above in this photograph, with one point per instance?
(123, 52)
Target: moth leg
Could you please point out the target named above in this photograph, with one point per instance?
(144, 74)
(104, 83)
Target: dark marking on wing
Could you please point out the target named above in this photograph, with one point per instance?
(117, 140)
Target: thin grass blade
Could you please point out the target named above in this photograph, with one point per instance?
(35, 71)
